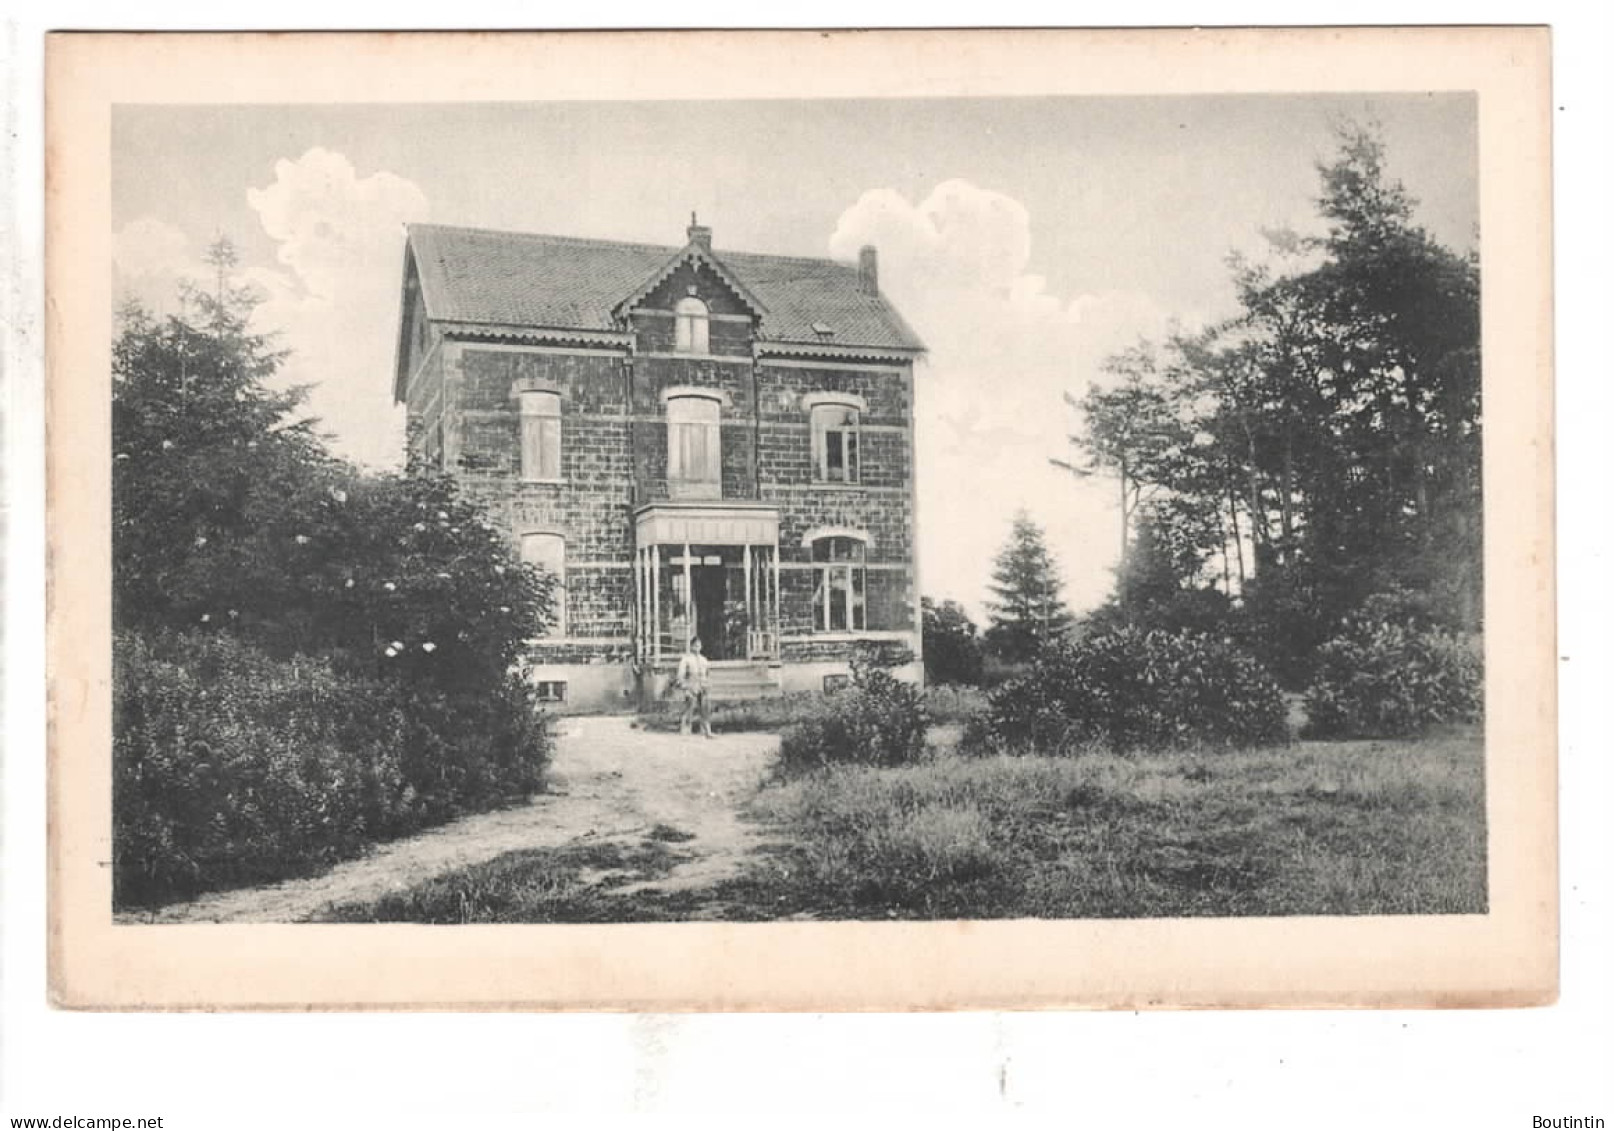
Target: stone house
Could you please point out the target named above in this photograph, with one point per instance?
(695, 442)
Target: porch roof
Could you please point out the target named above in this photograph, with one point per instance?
(707, 524)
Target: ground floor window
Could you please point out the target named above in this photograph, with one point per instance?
(551, 690)
(840, 585)
(548, 552)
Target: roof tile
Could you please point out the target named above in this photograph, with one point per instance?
(515, 278)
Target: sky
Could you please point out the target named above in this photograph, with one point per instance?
(1024, 239)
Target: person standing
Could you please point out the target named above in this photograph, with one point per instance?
(693, 679)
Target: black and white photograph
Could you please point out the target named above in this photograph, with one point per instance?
(816, 510)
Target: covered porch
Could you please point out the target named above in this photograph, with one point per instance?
(707, 570)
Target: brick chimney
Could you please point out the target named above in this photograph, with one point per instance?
(868, 270)
(698, 234)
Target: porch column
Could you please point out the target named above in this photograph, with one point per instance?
(778, 609)
(641, 602)
(655, 603)
(750, 621)
(689, 601)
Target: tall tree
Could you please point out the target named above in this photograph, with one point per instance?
(1133, 429)
(1331, 429)
(230, 515)
(1028, 611)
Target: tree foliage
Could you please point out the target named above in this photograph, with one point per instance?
(1321, 446)
(952, 644)
(290, 626)
(1130, 689)
(230, 515)
(1027, 611)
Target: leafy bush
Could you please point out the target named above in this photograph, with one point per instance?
(1182, 610)
(232, 767)
(953, 651)
(879, 720)
(310, 656)
(996, 672)
(1130, 690)
(1382, 679)
(953, 704)
(747, 715)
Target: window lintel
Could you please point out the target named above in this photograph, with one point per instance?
(810, 401)
(523, 385)
(818, 533)
(703, 392)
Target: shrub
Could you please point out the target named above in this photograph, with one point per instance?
(879, 720)
(952, 704)
(232, 767)
(1382, 679)
(772, 713)
(952, 644)
(996, 672)
(310, 655)
(1129, 690)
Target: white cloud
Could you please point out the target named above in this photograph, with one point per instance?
(1004, 350)
(148, 246)
(332, 297)
(339, 241)
(150, 258)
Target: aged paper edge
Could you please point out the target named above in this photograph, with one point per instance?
(1507, 957)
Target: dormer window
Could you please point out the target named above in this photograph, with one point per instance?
(691, 321)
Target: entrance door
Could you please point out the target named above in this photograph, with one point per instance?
(710, 583)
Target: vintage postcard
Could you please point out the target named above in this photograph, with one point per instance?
(801, 521)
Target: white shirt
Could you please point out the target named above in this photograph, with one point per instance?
(692, 668)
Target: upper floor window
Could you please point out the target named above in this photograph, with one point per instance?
(840, 593)
(691, 320)
(835, 443)
(540, 436)
(548, 552)
(694, 447)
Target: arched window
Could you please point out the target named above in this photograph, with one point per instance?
(548, 552)
(691, 321)
(540, 436)
(694, 447)
(840, 600)
(835, 443)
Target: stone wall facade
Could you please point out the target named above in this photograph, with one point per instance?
(464, 416)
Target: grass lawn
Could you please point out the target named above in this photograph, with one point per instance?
(945, 705)
(1340, 828)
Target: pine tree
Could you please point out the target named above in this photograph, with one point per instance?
(1028, 612)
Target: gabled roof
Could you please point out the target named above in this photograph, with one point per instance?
(473, 275)
(700, 255)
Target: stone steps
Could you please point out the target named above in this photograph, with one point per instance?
(735, 684)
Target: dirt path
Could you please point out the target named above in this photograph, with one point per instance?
(609, 782)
